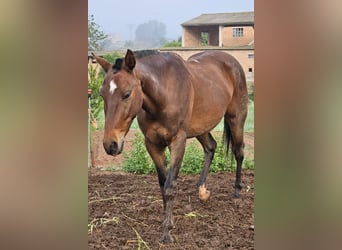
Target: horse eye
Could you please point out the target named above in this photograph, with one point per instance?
(126, 95)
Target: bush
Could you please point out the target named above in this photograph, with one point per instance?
(221, 161)
(192, 160)
(173, 44)
(138, 161)
(95, 82)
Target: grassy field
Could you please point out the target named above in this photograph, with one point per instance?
(249, 124)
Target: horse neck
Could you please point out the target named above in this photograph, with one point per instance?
(153, 93)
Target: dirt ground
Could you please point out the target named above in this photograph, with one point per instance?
(125, 210)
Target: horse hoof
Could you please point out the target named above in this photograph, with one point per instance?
(166, 238)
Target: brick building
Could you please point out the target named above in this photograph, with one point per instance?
(222, 30)
(232, 33)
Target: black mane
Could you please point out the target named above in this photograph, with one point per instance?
(118, 64)
(138, 54)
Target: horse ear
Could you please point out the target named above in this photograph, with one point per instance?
(104, 64)
(130, 60)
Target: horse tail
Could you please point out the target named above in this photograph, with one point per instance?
(227, 136)
(228, 141)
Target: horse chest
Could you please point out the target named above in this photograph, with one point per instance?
(156, 133)
(159, 134)
(157, 130)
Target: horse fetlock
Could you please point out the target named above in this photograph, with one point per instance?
(168, 223)
(167, 227)
(238, 186)
(201, 182)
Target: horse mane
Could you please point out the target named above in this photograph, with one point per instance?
(138, 54)
(118, 64)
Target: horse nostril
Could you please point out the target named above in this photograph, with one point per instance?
(113, 148)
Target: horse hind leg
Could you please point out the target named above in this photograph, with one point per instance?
(236, 127)
(209, 146)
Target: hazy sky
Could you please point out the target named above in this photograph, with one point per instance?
(123, 17)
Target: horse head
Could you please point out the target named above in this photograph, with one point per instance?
(123, 98)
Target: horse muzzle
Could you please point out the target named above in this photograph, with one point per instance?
(113, 148)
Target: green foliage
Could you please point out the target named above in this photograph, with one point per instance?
(111, 57)
(95, 35)
(221, 161)
(96, 101)
(249, 123)
(173, 44)
(192, 160)
(204, 39)
(138, 160)
(251, 96)
(248, 164)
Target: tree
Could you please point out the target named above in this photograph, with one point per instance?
(173, 44)
(95, 35)
(151, 33)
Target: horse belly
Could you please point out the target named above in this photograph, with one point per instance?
(210, 105)
(205, 119)
(201, 126)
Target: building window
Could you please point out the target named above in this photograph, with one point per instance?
(237, 32)
(250, 56)
(204, 38)
(250, 70)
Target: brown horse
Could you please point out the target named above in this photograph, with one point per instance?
(174, 100)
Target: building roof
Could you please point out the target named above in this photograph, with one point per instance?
(226, 19)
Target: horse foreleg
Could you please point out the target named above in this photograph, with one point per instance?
(209, 146)
(157, 153)
(177, 148)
